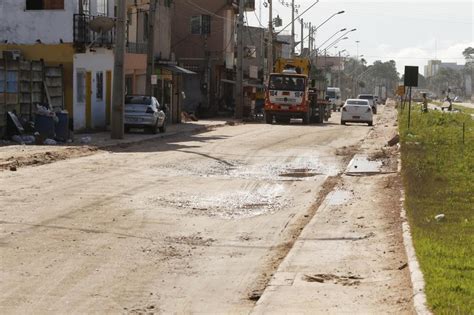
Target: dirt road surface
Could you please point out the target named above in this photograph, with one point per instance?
(203, 224)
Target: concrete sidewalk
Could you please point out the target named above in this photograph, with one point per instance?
(350, 258)
(84, 144)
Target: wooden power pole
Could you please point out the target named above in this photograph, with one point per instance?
(119, 73)
(151, 47)
(239, 86)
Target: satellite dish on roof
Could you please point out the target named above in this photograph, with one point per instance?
(102, 24)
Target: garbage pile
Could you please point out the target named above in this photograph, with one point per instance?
(48, 127)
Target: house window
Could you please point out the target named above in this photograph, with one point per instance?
(201, 24)
(44, 4)
(99, 86)
(145, 26)
(102, 7)
(80, 86)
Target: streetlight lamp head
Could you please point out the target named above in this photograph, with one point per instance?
(354, 29)
(340, 12)
(343, 29)
(345, 38)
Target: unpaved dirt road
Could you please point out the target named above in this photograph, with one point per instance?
(189, 224)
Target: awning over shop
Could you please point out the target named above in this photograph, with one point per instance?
(176, 69)
(245, 83)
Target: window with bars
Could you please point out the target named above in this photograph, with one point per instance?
(201, 24)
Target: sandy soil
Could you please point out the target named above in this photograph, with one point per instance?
(187, 224)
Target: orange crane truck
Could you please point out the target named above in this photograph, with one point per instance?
(291, 94)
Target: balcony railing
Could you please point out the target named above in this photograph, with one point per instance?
(137, 48)
(85, 37)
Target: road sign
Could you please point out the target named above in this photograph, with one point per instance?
(154, 79)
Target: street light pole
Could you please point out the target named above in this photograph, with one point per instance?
(292, 40)
(117, 131)
(239, 97)
(314, 29)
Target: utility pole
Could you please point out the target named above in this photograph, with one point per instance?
(151, 47)
(292, 41)
(119, 73)
(339, 74)
(309, 38)
(239, 86)
(270, 38)
(302, 41)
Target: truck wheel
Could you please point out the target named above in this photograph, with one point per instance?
(306, 118)
(268, 118)
(321, 115)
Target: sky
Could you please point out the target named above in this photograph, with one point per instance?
(411, 32)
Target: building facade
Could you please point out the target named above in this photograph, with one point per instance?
(204, 33)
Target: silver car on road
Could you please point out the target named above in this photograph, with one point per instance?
(144, 112)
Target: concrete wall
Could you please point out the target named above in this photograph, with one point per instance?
(100, 61)
(163, 32)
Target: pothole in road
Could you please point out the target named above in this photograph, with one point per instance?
(300, 173)
(261, 200)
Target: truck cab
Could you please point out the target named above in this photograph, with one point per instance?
(334, 94)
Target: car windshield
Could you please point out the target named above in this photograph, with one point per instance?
(143, 100)
(285, 82)
(331, 94)
(136, 108)
(357, 103)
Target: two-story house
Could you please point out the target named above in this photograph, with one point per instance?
(203, 40)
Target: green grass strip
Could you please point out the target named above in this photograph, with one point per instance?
(438, 175)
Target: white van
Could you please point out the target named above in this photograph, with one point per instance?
(334, 94)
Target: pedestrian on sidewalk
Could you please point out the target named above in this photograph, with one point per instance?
(425, 103)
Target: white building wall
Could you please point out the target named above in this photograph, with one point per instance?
(100, 61)
(19, 26)
(25, 27)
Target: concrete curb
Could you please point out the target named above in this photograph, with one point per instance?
(416, 276)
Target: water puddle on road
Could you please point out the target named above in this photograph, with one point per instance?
(300, 173)
(238, 204)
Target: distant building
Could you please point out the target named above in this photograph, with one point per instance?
(433, 67)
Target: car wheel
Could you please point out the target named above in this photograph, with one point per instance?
(127, 129)
(163, 128)
(343, 122)
(154, 129)
(370, 123)
(268, 119)
(374, 110)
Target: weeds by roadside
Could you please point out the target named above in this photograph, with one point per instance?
(438, 173)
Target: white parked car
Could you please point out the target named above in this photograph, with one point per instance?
(358, 111)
